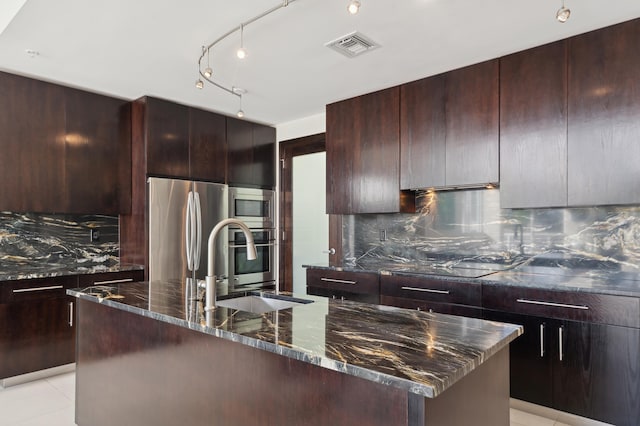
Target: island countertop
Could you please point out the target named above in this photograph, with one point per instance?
(420, 352)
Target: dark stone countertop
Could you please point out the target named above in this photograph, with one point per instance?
(606, 280)
(58, 271)
(423, 353)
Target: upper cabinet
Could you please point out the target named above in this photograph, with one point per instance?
(533, 127)
(604, 116)
(182, 142)
(449, 129)
(251, 157)
(570, 120)
(362, 141)
(63, 150)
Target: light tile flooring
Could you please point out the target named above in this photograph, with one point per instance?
(50, 402)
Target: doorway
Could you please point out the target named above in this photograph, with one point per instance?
(307, 232)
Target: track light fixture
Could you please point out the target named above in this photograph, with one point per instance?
(208, 72)
(562, 15)
(241, 53)
(354, 7)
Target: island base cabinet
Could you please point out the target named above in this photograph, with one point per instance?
(136, 370)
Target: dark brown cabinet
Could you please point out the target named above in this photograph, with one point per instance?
(472, 124)
(37, 320)
(63, 150)
(449, 128)
(345, 285)
(533, 127)
(251, 156)
(363, 149)
(604, 116)
(207, 146)
(429, 294)
(166, 133)
(577, 351)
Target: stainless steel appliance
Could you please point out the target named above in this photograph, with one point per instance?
(255, 207)
(182, 213)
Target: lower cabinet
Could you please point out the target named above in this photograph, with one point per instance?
(37, 320)
(346, 285)
(584, 368)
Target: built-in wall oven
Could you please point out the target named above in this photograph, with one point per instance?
(255, 207)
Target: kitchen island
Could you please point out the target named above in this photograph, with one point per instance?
(143, 359)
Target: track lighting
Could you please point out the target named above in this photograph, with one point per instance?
(562, 15)
(238, 91)
(241, 53)
(199, 83)
(354, 7)
(208, 72)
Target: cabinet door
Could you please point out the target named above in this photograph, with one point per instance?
(422, 133)
(604, 116)
(167, 138)
(97, 161)
(472, 124)
(533, 127)
(207, 146)
(530, 357)
(596, 371)
(36, 335)
(363, 154)
(32, 134)
(251, 155)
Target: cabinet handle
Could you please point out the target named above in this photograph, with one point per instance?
(554, 304)
(70, 314)
(26, 290)
(426, 290)
(124, 280)
(333, 280)
(561, 342)
(542, 340)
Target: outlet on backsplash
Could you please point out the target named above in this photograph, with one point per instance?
(383, 235)
(94, 235)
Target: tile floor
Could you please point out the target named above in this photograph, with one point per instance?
(50, 402)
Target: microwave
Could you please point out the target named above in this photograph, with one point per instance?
(255, 207)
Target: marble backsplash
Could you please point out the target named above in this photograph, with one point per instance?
(469, 225)
(30, 241)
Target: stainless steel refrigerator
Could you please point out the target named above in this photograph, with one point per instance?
(182, 213)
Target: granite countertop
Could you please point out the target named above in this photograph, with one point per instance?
(45, 271)
(423, 353)
(608, 280)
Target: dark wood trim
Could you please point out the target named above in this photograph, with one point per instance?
(289, 149)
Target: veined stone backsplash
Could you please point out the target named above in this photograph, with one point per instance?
(470, 225)
(30, 241)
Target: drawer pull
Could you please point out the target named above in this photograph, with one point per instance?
(561, 342)
(554, 304)
(70, 314)
(124, 280)
(426, 290)
(333, 280)
(541, 340)
(27, 290)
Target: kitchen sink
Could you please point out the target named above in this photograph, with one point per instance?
(262, 304)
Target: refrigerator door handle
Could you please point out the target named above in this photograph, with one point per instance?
(198, 243)
(188, 232)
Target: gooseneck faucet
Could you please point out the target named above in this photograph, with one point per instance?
(210, 280)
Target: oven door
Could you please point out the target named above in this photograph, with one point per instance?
(249, 274)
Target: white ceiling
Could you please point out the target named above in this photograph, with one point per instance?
(132, 48)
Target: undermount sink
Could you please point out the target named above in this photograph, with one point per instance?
(261, 304)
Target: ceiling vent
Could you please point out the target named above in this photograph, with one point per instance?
(352, 45)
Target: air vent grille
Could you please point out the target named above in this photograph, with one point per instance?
(352, 45)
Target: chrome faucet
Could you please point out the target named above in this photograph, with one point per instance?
(210, 280)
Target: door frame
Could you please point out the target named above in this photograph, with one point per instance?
(289, 149)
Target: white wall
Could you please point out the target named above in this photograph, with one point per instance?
(303, 127)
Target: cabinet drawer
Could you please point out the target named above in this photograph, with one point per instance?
(351, 282)
(440, 291)
(36, 288)
(429, 306)
(571, 305)
(110, 278)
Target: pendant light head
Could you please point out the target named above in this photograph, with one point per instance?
(199, 83)
(354, 7)
(240, 113)
(208, 72)
(562, 15)
(241, 53)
